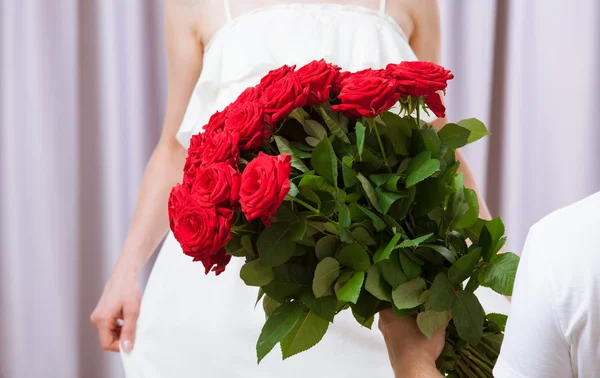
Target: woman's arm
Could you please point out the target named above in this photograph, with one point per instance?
(425, 41)
(121, 296)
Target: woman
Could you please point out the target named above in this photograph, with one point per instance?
(190, 323)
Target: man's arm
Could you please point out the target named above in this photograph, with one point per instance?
(534, 346)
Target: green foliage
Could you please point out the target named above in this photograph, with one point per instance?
(254, 274)
(500, 273)
(441, 295)
(274, 245)
(468, 316)
(307, 332)
(350, 291)
(326, 273)
(354, 257)
(377, 217)
(279, 324)
(476, 127)
(408, 294)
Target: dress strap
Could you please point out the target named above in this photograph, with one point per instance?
(381, 6)
(227, 10)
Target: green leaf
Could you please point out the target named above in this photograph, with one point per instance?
(351, 289)
(454, 136)
(284, 147)
(362, 236)
(410, 268)
(326, 246)
(408, 294)
(369, 191)
(254, 274)
(473, 283)
(279, 324)
(463, 267)
(314, 129)
(308, 331)
(491, 240)
(472, 214)
(297, 229)
(324, 161)
(499, 275)
(387, 199)
(391, 270)
(324, 307)
(318, 183)
(310, 195)
(261, 294)
(498, 319)
(431, 321)
(420, 168)
(326, 273)
(443, 251)
(399, 131)
(382, 178)
(289, 279)
(415, 242)
(468, 316)
(274, 245)
(360, 138)
(441, 295)
(312, 141)
(345, 235)
(457, 204)
(384, 253)
(269, 305)
(377, 222)
(234, 247)
(343, 214)
(476, 127)
(376, 285)
(299, 115)
(334, 127)
(427, 139)
(348, 173)
(293, 190)
(368, 323)
(354, 257)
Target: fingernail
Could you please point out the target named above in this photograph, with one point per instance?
(127, 346)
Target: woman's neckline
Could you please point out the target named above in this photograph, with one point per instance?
(330, 6)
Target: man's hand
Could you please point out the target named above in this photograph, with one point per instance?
(412, 355)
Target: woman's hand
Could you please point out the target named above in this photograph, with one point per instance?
(119, 301)
(412, 355)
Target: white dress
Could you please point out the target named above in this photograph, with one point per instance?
(193, 325)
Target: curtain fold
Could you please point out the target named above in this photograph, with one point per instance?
(82, 93)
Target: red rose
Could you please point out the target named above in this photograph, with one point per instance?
(221, 147)
(249, 94)
(434, 103)
(195, 150)
(216, 262)
(318, 77)
(419, 78)
(336, 86)
(201, 231)
(367, 93)
(265, 183)
(216, 184)
(216, 122)
(280, 93)
(246, 119)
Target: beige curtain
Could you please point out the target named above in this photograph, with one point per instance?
(82, 90)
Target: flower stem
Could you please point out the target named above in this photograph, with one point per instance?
(385, 162)
(300, 202)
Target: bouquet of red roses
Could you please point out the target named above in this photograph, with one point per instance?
(340, 196)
